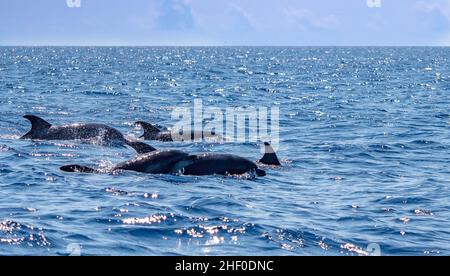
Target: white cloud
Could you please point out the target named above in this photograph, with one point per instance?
(149, 20)
(305, 18)
(248, 17)
(181, 6)
(440, 6)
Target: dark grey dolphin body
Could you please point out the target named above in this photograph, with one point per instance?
(42, 130)
(221, 164)
(152, 132)
(174, 161)
(155, 162)
(230, 164)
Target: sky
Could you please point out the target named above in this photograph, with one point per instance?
(225, 22)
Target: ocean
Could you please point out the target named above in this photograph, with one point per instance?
(364, 140)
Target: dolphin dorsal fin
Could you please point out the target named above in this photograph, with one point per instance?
(140, 148)
(37, 124)
(270, 157)
(150, 131)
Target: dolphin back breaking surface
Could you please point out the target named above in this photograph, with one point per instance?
(157, 162)
(152, 132)
(221, 164)
(99, 133)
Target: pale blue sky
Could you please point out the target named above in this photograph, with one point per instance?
(225, 22)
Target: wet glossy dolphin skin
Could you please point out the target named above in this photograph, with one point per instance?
(152, 132)
(230, 164)
(221, 164)
(158, 162)
(42, 130)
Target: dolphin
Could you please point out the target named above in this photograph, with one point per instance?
(43, 130)
(152, 132)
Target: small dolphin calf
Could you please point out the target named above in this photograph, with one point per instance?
(151, 132)
(155, 162)
(42, 130)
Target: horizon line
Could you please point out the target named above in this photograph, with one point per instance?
(214, 45)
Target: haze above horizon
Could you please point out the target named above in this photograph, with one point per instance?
(225, 23)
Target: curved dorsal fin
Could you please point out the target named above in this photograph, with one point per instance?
(37, 125)
(150, 131)
(139, 147)
(37, 122)
(270, 157)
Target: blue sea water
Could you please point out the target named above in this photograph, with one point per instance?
(364, 143)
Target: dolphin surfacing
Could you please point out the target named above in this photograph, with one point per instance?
(152, 132)
(43, 130)
(153, 161)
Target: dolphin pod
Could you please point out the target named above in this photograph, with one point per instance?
(150, 160)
